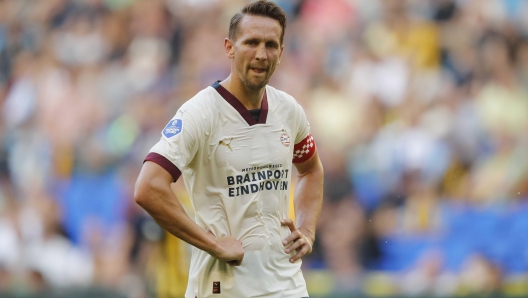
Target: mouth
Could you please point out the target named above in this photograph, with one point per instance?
(258, 69)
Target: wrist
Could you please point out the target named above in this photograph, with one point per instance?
(308, 234)
(213, 248)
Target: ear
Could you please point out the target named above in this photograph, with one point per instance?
(280, 54)
(229, 48)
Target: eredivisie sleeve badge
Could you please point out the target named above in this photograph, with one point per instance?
(173, 128)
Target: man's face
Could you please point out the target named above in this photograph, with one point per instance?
(256, 50)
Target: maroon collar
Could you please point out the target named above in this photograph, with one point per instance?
(235, 103)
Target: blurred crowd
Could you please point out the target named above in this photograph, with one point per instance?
(419, 109)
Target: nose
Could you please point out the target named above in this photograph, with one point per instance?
(260, 55)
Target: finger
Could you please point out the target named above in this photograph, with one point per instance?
(288, 222)
(294, 235)
(302, 252)
(298, 243)
(234, 263)
(291, 238)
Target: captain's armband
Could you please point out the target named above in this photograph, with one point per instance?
(303, 150)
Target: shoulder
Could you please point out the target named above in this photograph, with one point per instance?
(202, 102)
(199, 110)
(279, 95)
(282, 99)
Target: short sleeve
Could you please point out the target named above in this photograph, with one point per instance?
(303, 126)
(304, 142)
(179, 143)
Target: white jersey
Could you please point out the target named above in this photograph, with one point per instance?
(238, 172)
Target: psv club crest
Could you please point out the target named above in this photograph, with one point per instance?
(285, 139)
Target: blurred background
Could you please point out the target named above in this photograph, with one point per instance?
(419, 109)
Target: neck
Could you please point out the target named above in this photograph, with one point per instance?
(251, 99)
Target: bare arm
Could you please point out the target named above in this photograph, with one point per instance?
(308, 201)
(154, 194)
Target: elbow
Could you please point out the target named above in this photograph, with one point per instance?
(152, 184)
(141, 193)
(139, 197)
(147, 192)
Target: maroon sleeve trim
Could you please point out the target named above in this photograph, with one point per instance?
(163, 162)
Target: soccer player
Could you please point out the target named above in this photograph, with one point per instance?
(234, 143)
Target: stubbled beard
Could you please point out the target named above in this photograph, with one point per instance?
(252, 85)
(249, 84)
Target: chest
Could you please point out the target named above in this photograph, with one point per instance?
(240, 146)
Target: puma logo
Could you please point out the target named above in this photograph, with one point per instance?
(228, 145)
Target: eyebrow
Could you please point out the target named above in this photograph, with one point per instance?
(272, 42)
(250, 39)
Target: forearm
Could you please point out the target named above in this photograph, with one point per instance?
(308, 199)
(161, 203)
